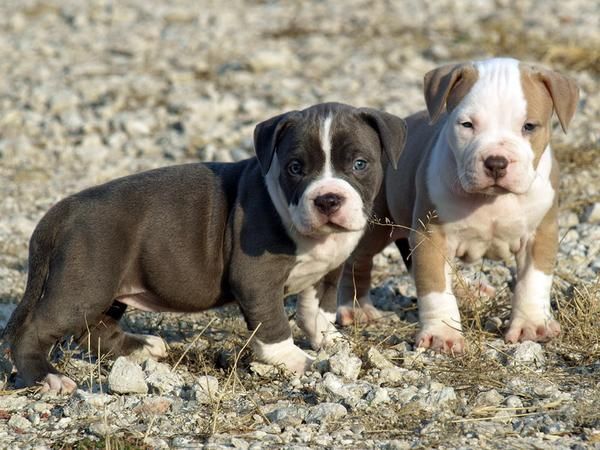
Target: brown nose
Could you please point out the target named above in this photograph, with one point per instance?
(496, 166)
(327, 204)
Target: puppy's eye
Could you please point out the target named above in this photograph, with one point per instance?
(529, 127)
(295, 167)
(467, 124)
(360, 164)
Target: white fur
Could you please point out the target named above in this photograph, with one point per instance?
(497, 107)
(493, 226)
(439, 309)
(325, 138)
(317, 324)
(283, 353)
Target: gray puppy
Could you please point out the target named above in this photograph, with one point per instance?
(190, 237)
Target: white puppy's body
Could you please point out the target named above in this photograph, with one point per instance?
(479, 171)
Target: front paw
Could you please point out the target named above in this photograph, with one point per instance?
(441, 338)
(57, 383)
(284, 353)
(525, 329)
(349, 315)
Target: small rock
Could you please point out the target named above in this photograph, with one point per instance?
(239, 443)
(19, 423)
(528, 353)
(592, 214)
(206, 389)
(100, 428)
(287, 416)
(126, 377)
(164, 382)
(326, 412)
(488, 398)
(263, 370)
(93, 399)
(377, 360)
(439, 396)
(345, 364)
(395, 376)
(153, 406)
(334, 388)
(378, 396)
(513, 401)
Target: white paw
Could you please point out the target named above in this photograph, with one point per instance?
(57, 383)
(349, 315)
(441, 338)
(524, 329)
(284, 353)
(154, 346)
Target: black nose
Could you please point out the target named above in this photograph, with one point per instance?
(329, 203)
(496, 166)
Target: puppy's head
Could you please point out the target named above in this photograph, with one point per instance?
(499, 113)
(323, 165)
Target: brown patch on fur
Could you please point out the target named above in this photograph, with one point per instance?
(429, 259)
(539, 111)
(545, 243)
(446, 86)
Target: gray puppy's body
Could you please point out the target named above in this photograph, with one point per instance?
(191, 237)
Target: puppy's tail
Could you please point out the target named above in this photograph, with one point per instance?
(40, 251)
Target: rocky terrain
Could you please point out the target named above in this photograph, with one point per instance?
(93, 90)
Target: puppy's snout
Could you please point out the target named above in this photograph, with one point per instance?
(496, 166)
(328, 204)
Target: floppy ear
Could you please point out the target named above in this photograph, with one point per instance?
(391, 130)
(446, 86)
(564, 93)
(267, 135)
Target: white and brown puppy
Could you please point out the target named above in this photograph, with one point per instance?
(190, 237)
(481, 160)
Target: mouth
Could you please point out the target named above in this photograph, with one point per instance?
(494, 189)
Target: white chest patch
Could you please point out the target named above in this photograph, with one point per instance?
(495, 228)
(317, 258)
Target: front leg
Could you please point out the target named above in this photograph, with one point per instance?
(316, 310)
(273, 342)
(438, 311)
(531, 317)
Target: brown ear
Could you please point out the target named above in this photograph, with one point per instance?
(564, 93)
(446, 86)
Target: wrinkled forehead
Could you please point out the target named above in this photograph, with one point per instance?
(497, 93)
(507, 92)
(328, 132)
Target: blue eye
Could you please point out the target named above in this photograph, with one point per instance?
(295, 167)
(529, 127)
(360, 164)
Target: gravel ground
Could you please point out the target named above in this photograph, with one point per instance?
(94, 90)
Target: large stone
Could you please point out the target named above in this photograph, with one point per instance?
(127, 377)
(206, 389)
(326, 412)
(528, 353)
(345, 364)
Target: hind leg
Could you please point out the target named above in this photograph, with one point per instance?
(107, 337)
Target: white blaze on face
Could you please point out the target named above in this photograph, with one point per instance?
(305, 215)
(497, 108)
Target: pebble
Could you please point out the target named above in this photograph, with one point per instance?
(377, 360)
(19, 423)
(288, 416)
(591, 214)
(528, 353)
(206, 389)
(326, 412)
(345, 364)
(126, 377)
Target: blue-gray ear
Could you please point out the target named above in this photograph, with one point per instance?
(391, 130)
(267, 135)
